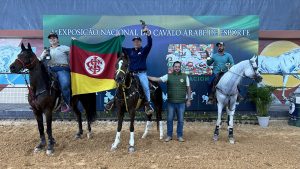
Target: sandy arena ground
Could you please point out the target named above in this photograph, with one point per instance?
(275, 147)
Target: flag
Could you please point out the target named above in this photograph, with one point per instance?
(93, 65)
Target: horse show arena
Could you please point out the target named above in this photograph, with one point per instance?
(275, 147)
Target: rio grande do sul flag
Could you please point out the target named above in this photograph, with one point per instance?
(93, 65)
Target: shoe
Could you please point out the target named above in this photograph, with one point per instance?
(65, 108)
(168, 139)
(148, 108)
(180, 139)
(109, 105)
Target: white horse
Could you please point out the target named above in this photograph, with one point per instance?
(285, 64)
(227, 92)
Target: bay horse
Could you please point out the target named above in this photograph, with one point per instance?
(130, 97)
(44, 97)
(227, 91)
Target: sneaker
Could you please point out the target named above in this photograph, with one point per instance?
(180, 139)
(65, 108)
(168, 139)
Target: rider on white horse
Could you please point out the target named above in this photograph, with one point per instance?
(221, 61)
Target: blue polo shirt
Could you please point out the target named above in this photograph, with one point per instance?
(138, 57)
(219, 62)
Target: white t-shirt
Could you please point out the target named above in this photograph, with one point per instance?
(165, 78)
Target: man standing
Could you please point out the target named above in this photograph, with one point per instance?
(59, 63)
(221, 61)
(178, 85)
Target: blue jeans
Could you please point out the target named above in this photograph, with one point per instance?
(145, 84)
(210, 83)
(179, 109)
(64, 79)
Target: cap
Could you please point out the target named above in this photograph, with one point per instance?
(220, 43)
(52, 34)
(136, 38)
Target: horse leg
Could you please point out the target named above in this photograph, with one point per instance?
(79, 120)
(39, 119)
(217, 129)
(89, 134)
(148, 126)
(160, 123)
(51, 141)
(230, 127)
(131, 148)
(285, 79)
(230, 113)
(117, 141)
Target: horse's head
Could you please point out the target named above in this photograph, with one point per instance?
(122, 68)
(25, 60)
(252, 70)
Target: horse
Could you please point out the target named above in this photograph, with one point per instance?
(130, 97)
(44, 97)
(286, 64)
(227, 92)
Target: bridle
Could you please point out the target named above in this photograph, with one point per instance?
(253, 69)
(29, 65)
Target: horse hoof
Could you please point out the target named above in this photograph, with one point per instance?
(216, 137)
(77, 136)
(161, 137)
(113, 148)
(131, 149)
(37, 150)
(144, 136)
(49, 152)
(231, 140)
(89, 135)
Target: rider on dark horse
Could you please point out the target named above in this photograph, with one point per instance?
(57, 59)
(138, 56)
(221, 61)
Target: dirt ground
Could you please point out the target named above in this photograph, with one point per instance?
(275, 147)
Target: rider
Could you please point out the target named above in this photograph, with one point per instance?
(221, 61)
(58, 62)
(138, 56)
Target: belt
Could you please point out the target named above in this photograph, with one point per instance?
(138, 71)
(59, 65)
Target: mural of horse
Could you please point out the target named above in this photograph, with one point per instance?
(285, 64)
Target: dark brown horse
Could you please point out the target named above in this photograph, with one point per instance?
(130, 97)
(44, 97)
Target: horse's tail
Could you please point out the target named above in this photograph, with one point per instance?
(158, 102)
(89, 103)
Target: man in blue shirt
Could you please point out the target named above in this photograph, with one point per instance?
(138, 56)
(221, 61)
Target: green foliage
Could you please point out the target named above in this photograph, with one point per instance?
(262, 98)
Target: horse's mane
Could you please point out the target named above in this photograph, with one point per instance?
(237, 67)
(45, 74)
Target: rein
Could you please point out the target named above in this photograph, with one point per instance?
(31, 94)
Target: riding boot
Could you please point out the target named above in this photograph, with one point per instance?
(211, 96)
(148, 108)
(109, 106)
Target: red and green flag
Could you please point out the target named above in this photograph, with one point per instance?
(93, 65)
